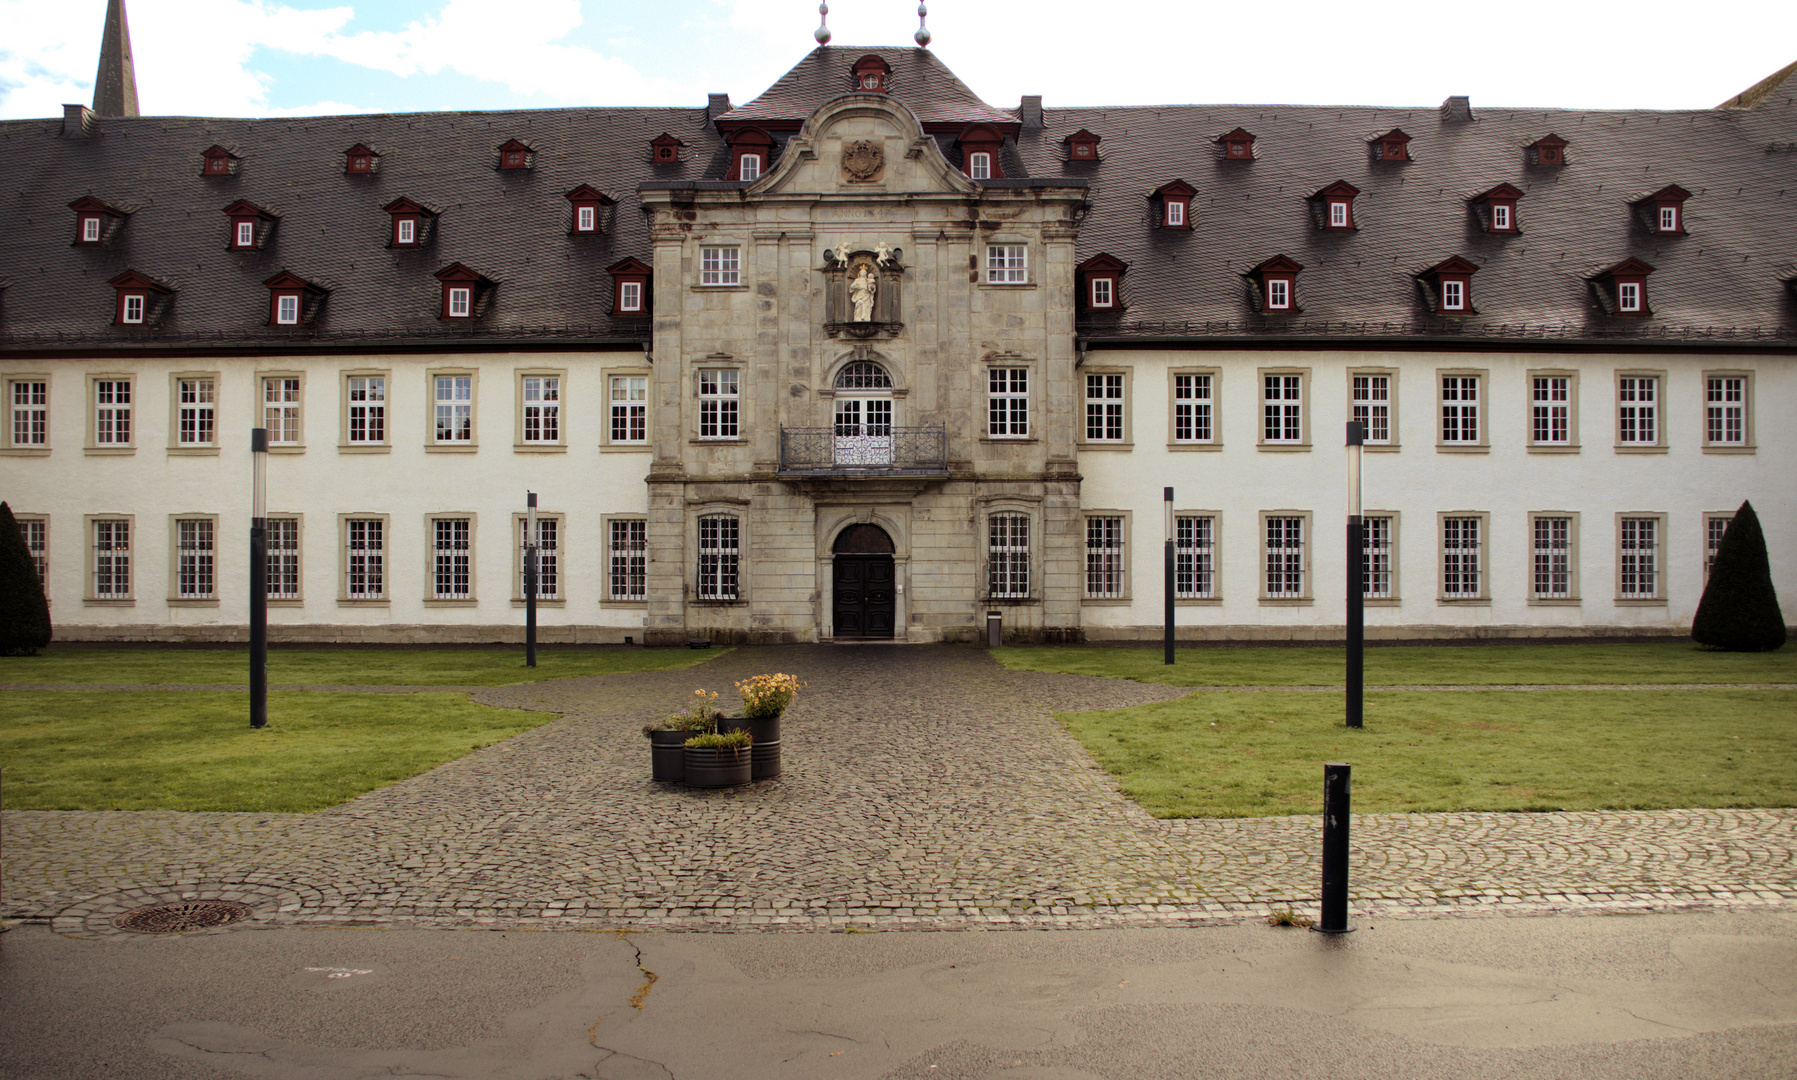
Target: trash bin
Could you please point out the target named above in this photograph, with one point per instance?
(995, 629)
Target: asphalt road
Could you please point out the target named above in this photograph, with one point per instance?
(1622, 997)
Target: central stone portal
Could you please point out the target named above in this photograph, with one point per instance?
(865, 601)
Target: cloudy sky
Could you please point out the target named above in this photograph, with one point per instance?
(270, 58)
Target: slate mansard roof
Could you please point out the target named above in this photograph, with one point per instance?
(1727, 278)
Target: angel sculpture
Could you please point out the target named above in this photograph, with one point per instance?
(884, 255)
(840, 254)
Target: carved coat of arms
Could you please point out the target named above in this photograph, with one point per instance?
(863, 161)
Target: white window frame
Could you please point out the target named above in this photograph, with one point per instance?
(1640, 558)
(195, 425)
(1453, 406)
(193, 551)
(90, 228)
(1007, 264)
(1008, 402)
(720, 547)
(720, 264)
(1668, 217)
(627, 560)
(452, 408)
(720, 403)
(1338, 213)
(627, 408)
(1500, 217)
(586, 219)
(283, 398)
(551, 539)
(1462, 537)
(451, 569)
(748, 167)
(1193, 420)
(28, 412)
(1107, 571)
(1453, 294)
(1373, 400)
(1379, 544)
(1284, 407)
(540, 417)
(134, 306)
(405, 231)
(461, 302)
(1106, 413)
(281, 539)
(109, 562)
(630, 296)
(365, 409)
(1728, 412)
(1715, 525)
(1009, 560)
(1196, 539)
(979, 165)
(108, 414)
(1553, 578)
(1285, 556)
(1279, 294)
(1640, 423)
(1628, 296)
(287, 309)
(34, 531)
(1102, 293)
(244, 234)
(1175, 211)
(1553, 410)
(366, 540)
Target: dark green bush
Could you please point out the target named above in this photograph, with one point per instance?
(1739, 610)
(24, 612)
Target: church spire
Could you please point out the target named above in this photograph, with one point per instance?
(115, 84)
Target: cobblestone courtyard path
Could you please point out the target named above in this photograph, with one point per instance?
(924, 787)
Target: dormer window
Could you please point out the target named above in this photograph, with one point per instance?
(1449, 285)
(1622, 288)
(292, 300)
(980, 146)
(588, 202)
(516, 155)
(1336, 206)
(1237, 145)
(139, 298)
(1103, 275)
(218, 161)
(465, 292)
(1496, 209)
(1173, 205)
(664, 149)
(95, 221)
(411, 223)
(360, 160)
(870, 74)
(1082, 145)
(630, 288)
(90, 228)
(751, 150)
(1394, 145)
(250, 225)
(1274, 284)
(1664, 210)
(979, 166)
(1550, 149)
(748, 167)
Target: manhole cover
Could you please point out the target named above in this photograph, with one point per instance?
(181, 917)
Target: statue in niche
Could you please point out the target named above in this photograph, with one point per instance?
(862, 291)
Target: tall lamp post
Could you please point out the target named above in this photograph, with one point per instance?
(530, 579)
(258, 577)
(1356, 565)
(1167, 572)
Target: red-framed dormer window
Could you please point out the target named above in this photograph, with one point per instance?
(138, 298)
(1496, 209)
(1237, 145)
(249, 225)
(1102, 278)
(411, 223)
(1335, 206)
(664, 149)
(1082, 145)
(1394, 145)
(980, 158)
(95, 220)
(464, 292)
(1550, 149)
(870, 74)
(1624, 288)
(514, 154)
(1664, 210)
(1276, 285)
(751, 150)
(588, 205)
(360, 160)
(630, 288)
(292, 300)
(1450, 286)
(1173, 205)
(218, 161)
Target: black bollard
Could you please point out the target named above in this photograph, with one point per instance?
(1336, 785)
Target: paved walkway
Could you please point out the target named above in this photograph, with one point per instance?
(924, 787)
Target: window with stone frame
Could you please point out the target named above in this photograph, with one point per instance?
(720, 403)
(281, 409)
(111, 559)
(28, 408)
(1282, 401)
(196, 411)
(542, 409)
(365, 558)
(1194, 557)
(1008, 402)
(194, 559)
(34, 530)
(721, 265)
(1372, 407)
(1551, 410)
(1715, 526)
(1194, 405)
(1104, 407)
(1007, 264)
(720, 557)
(1727, 399)
(367, 403)
(627, 559)
(281, 539)
(549, 562)
(452, 558)
(1285, 558)
(1553, 576)
(1460, 410)
(1008, 556)
(1379, 547)
(1638, 410)
(1638, 571)
(1462, 557)
(629, 419)
(112, 411)
(1107, 569)
(454, 403)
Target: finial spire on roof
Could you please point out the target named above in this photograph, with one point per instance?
(115, 84)
(822, 33)
(922, 37)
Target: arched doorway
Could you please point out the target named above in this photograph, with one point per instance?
(863, 601)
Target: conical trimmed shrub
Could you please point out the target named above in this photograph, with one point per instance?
(24, 612)
(1739, 610)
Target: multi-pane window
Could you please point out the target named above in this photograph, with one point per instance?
(1192, 404)
(979, 166)
(542, 408)
(29, 403)
(1638, 410)
(367, 408)
(720, 557)
(1500, 217)
(627, 573)
(365, 558)
(1453, 295)
(720, 403)
(1338, 214)
(460, 302)
(1372, 406)
(287, 309)
(36, 534)
(281, 540)
(585, 219)
(1194, 557)
(750, 168)
(281, 410)
(720, 266)
(1007, 402)
(195, 411)
(246, 234)
(1714, 527)
(630, 296)
(1552, 579)
(452, 574)
(1725, 410)
(1550, 410)
(1285, 558)
(1460, 409)
(1104, 408)
(193, 559)
(133, 308)
(90, 229)
(1283, 409)
(1007, 264)
(549, 576)
(1102, 292)
(1175, 213)
(455, 408)
(1628, 296)
(112, 412)
(1638, 558)
(112, 560)
(1279, 294)
(1008, 556)
(1104, 558)
(1462, 574)
(1378, 547)
(629, 408)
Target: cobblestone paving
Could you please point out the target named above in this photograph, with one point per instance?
(924, 787)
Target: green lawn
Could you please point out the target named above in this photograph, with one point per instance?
(338, 667)
(76, 750)
(1466, 665)
(1251, 754)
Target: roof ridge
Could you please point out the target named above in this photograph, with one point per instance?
(1760, 91)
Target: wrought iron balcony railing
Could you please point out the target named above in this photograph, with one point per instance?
(864, 450)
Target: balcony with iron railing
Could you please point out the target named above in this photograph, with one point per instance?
(871, 450)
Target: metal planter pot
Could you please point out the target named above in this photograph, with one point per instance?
(706, 767)
(764, 752)
(667, 755)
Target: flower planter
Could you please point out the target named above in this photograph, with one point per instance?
(764, 753)
(667, 755)
(706, 767)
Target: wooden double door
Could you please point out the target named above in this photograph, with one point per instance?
(866, 603)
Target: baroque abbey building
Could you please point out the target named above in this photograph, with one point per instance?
(868, 357)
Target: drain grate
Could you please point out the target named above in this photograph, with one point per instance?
(182, 916)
